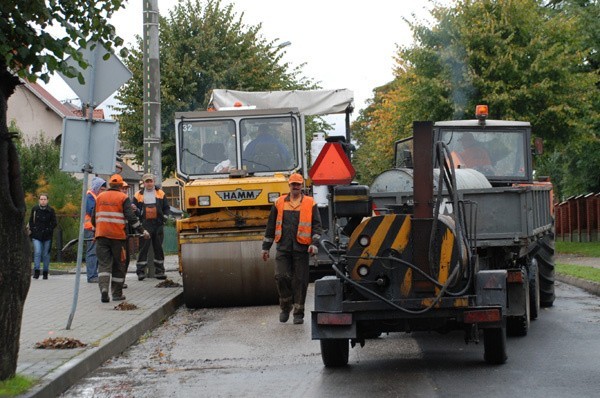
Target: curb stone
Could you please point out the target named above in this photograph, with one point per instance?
(588, 286)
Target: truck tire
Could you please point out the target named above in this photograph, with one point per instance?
(334, 352)
(544, 256)
(494, 345)
(534, 290)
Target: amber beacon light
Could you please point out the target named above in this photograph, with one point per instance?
(481, 111)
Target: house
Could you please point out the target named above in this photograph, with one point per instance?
(36, 112)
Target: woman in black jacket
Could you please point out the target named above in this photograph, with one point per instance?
(41, 225)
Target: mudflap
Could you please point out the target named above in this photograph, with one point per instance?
(518, 294)
(490, 288)
(328, 301)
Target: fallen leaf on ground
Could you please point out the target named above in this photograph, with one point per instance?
(60, 343)
(125, 306)
(168, 283)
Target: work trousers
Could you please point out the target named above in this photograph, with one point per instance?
(291, 277)
(111, 262)
(91, 261)
(156, 240)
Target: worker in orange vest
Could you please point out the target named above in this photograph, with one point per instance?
(152, 208)
(295, 225)
(113, 211)
(91, 261)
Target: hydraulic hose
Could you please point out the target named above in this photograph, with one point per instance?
(343, 276)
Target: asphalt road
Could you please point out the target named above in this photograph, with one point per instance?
(246, 352)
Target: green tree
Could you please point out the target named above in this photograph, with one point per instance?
(575, 166)
(29, 51)
(522, 59)
(204, 45)
(38, 159)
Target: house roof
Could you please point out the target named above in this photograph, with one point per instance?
(98, 113)
(63, 110)
(129, 174)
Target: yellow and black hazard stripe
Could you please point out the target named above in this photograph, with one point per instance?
(392, 235)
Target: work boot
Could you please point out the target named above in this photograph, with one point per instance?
(284, 316)
(36, 274)
(124, 285)
(298, 314)
(286, 306)
(141, 276)
(118, 298)
(161, 276)
(104, 298)
(45, 275)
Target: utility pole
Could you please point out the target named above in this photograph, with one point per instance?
(152, 138)
(152, 147)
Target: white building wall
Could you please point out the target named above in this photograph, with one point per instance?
(33, 116)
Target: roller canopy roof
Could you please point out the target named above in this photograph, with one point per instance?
(310, 102)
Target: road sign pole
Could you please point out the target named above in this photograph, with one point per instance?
(108, 75)
(87, 168)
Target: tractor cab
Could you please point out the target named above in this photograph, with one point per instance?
(500, 150)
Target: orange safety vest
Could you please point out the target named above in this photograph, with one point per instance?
(110, 217)
(152, 211)
(139, 195)
(88, 218)
(304, 234)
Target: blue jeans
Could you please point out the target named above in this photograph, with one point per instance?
(91, 261)
(41, 251)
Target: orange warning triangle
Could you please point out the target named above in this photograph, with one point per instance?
(332, 166)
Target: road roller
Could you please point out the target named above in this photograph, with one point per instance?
(453, 244)
(233, 163)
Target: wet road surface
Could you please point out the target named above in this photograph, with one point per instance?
(246, 352)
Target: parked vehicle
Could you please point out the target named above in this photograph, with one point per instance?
(459, 241)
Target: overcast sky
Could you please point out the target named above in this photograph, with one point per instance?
(344, 44)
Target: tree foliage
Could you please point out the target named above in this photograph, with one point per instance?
(40, 172)
(203, 45)
(30, 51)
(526, 61)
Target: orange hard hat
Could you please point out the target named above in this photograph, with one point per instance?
(296, 178)
(125, 185)
(116, 180)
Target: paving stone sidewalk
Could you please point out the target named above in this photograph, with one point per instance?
(578, 260)
(106, 331)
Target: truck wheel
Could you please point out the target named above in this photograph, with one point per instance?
(534, 290)
(494, 346)
(519, 325)
(545, 259)
(334, 352)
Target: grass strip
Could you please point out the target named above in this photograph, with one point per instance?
(587, 249)
(579, 271)
(15, 386)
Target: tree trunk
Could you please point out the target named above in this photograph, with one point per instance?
(15, 248)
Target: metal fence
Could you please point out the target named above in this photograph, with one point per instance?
(577, 218)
